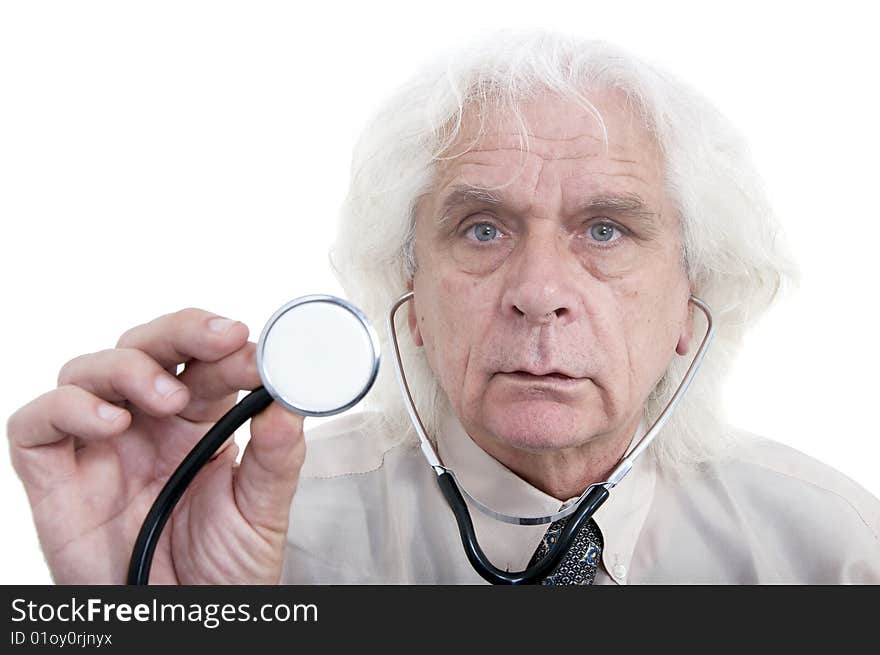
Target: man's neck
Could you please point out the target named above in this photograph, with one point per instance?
(564, 473)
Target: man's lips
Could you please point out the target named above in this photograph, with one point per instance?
(551, 378)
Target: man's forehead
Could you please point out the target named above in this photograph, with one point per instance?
(554, 127)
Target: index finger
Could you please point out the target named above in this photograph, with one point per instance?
(191, 333)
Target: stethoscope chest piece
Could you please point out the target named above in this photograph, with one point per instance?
(318, 355)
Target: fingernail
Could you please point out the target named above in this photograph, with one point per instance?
(220, 324)
(108, 412)
(165, 386)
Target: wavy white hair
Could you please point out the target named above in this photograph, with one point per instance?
(731, 245)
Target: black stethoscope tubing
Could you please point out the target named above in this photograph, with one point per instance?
(541, 569)
(151, 529)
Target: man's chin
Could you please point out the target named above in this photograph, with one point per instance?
(540, 425)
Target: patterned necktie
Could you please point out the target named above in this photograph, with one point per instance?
(578, 565)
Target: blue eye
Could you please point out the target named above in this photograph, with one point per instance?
(603, 232)
(484, 231)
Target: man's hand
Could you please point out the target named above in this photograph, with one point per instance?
(95, 452)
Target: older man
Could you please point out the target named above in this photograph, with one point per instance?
(553, 205)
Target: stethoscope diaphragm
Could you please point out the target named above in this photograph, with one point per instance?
(318, 355)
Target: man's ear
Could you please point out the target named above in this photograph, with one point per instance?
(687, 333)
(413, 319)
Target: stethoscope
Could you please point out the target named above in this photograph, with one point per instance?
(319, 355)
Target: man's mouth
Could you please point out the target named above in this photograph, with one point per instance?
(550, 378)
(555, 376)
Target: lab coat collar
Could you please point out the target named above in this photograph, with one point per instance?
(511, 547)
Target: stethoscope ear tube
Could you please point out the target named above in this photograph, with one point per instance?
(534, 574)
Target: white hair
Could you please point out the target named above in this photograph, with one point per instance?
(731, 244)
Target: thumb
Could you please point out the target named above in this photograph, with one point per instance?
(266, 479)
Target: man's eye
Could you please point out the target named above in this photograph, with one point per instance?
(604, 232)
(484, 231)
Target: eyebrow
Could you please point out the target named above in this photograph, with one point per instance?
(465, 194)
(625, 203)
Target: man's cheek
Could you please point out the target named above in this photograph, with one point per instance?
(439, 347)
(651, 357)
(457, 309)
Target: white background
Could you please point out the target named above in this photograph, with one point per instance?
(158, 155)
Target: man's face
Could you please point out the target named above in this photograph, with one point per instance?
(550, 294)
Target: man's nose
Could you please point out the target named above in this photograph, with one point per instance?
(541, 283)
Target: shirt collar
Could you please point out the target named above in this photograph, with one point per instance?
(511, 546)
(623, 515)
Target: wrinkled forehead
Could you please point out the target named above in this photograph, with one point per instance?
(603, 123)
